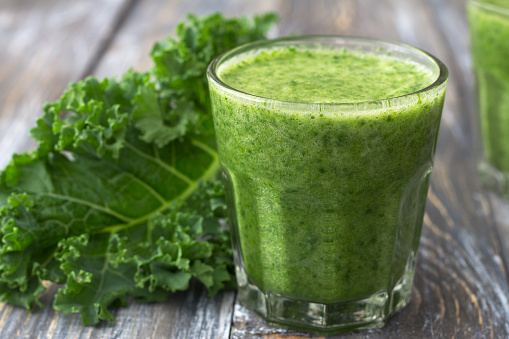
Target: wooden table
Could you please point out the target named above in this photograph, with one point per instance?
(461, 284)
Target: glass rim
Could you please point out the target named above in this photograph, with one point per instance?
(490, 7)
(442, 77)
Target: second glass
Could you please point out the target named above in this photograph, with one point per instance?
(489, 36)
(326, 199)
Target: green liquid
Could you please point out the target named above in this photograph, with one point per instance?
(324, 76)
(489, 31)
(328, 204)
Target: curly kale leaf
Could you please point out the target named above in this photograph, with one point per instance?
(181, 62)
(121, 196)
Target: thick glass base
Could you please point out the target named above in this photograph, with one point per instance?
(494, 180)
(367, 313)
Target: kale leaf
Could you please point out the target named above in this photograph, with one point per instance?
(121, 196)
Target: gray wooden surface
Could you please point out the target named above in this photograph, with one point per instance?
(461, 285)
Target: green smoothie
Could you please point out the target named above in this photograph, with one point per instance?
(324, 76)
(328, 199)
(489, 31)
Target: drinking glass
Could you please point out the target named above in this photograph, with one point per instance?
(326, 201)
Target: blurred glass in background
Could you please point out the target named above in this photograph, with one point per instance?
(489, 34)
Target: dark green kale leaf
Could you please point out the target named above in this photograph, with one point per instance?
(121, 196)
(181, 62)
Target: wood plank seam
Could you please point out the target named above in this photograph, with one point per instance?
(118, 22)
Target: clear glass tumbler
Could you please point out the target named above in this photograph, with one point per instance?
(489, 36)
(326, 201)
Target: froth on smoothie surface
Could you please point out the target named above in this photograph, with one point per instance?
(323, 75)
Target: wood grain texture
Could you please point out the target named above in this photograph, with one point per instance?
(190, 314)
(156, 19)
(500, 212)
(40, 54)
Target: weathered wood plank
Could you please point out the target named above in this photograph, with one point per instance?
(332, 17)
(41, 53)
(500, 210)
(155, 20)
(190, 314)
(461, 285)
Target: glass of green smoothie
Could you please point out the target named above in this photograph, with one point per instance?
(326, 145)
(489, 36)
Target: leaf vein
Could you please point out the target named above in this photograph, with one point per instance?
(89, 204)
(161, 163)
